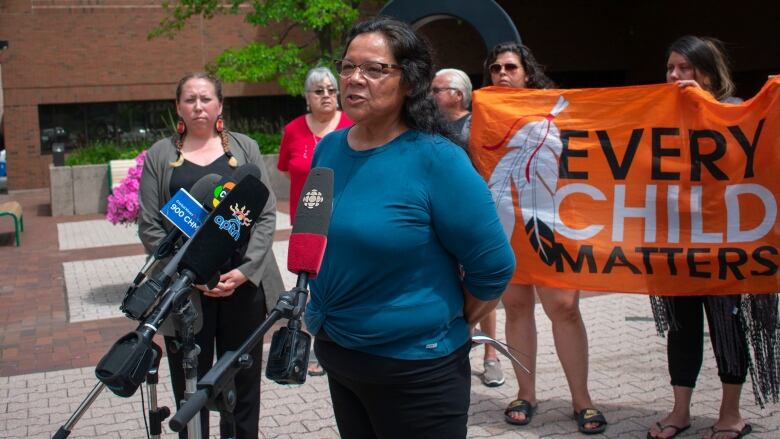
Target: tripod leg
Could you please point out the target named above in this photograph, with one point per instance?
(156, 415)
(66, 428)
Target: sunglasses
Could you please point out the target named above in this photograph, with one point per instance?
(509, 67)
(324, 91)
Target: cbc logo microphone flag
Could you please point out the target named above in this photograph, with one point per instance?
(644, 189)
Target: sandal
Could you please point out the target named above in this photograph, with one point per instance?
(520, 406)
(746, 430)
(315, 369)
(590, 416)
(661, 428)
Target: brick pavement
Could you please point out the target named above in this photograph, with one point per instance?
(47, 361)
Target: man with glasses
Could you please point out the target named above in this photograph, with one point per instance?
(451, 88)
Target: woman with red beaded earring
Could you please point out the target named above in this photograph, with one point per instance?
(249, 283)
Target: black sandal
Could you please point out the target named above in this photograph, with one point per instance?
(676, 430)
(590, 416)
(519, 406)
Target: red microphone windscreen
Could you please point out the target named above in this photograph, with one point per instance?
(305, 253)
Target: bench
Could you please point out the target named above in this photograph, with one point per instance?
(14, 210)
(117, 171)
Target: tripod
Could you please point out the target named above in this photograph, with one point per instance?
(134, 358)
(156, 414)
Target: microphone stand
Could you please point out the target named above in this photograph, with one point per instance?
(132, 355)
(184, 321)
(216, 390)
(156, 414)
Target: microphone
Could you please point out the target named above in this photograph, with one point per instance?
(229, 225)
(138, 300)
(227, 183)
(289, 351)
(309, 235)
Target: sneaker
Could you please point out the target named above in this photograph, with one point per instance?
(493, 375)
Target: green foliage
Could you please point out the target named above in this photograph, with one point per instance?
(268, 135)
(269, 142)
(320, 27)
(102, 152)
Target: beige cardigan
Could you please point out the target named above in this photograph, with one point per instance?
(259, 264)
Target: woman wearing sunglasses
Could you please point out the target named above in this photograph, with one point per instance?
(512, 65)
(303, 133)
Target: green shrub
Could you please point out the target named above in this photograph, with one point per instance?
(266, 133)
(101, 152)
(269, 142)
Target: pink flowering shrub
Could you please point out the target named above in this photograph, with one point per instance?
(123, 202)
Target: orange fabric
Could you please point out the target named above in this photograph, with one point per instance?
(646, 189)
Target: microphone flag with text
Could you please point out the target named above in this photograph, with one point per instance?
(289, 351)
(138, 300)
(223, 231)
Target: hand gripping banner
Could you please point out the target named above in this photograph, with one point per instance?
(646, 189)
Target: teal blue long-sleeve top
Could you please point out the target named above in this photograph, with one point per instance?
(405, 215)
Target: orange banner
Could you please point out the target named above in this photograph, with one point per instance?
(646, 189)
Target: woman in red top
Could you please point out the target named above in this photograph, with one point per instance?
(304, 132)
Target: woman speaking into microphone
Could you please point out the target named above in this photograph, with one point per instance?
(390, 309)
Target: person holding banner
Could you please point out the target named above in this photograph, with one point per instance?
(513, 65)
(389, 308)
(702, 63)
(250, 282)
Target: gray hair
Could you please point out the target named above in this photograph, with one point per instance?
(460, 81)
(317, 75)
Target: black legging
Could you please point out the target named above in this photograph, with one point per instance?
(685, 348)
(227, 321)
(386, 398)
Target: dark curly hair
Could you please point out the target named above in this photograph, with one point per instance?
(708, 57)
(534, 72)
(413, 53)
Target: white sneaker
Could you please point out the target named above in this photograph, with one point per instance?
(493, 375)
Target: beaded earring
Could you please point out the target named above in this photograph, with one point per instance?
(181, 129)
(220, 124)
(226, 148)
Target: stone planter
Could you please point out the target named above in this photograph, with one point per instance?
(83, 190)
(78, 190)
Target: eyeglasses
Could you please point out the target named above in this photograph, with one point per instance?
(369, 69)
(510, 68)
(437, 90)
(324, 91)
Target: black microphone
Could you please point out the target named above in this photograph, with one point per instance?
(221, 233)
(139, 300)
(289, 351)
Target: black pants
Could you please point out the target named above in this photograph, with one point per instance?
(227, 322)
(685, 348)
(378, 397)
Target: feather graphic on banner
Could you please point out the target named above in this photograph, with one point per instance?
(531, 166)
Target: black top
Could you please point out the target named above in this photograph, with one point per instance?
(188, 173)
